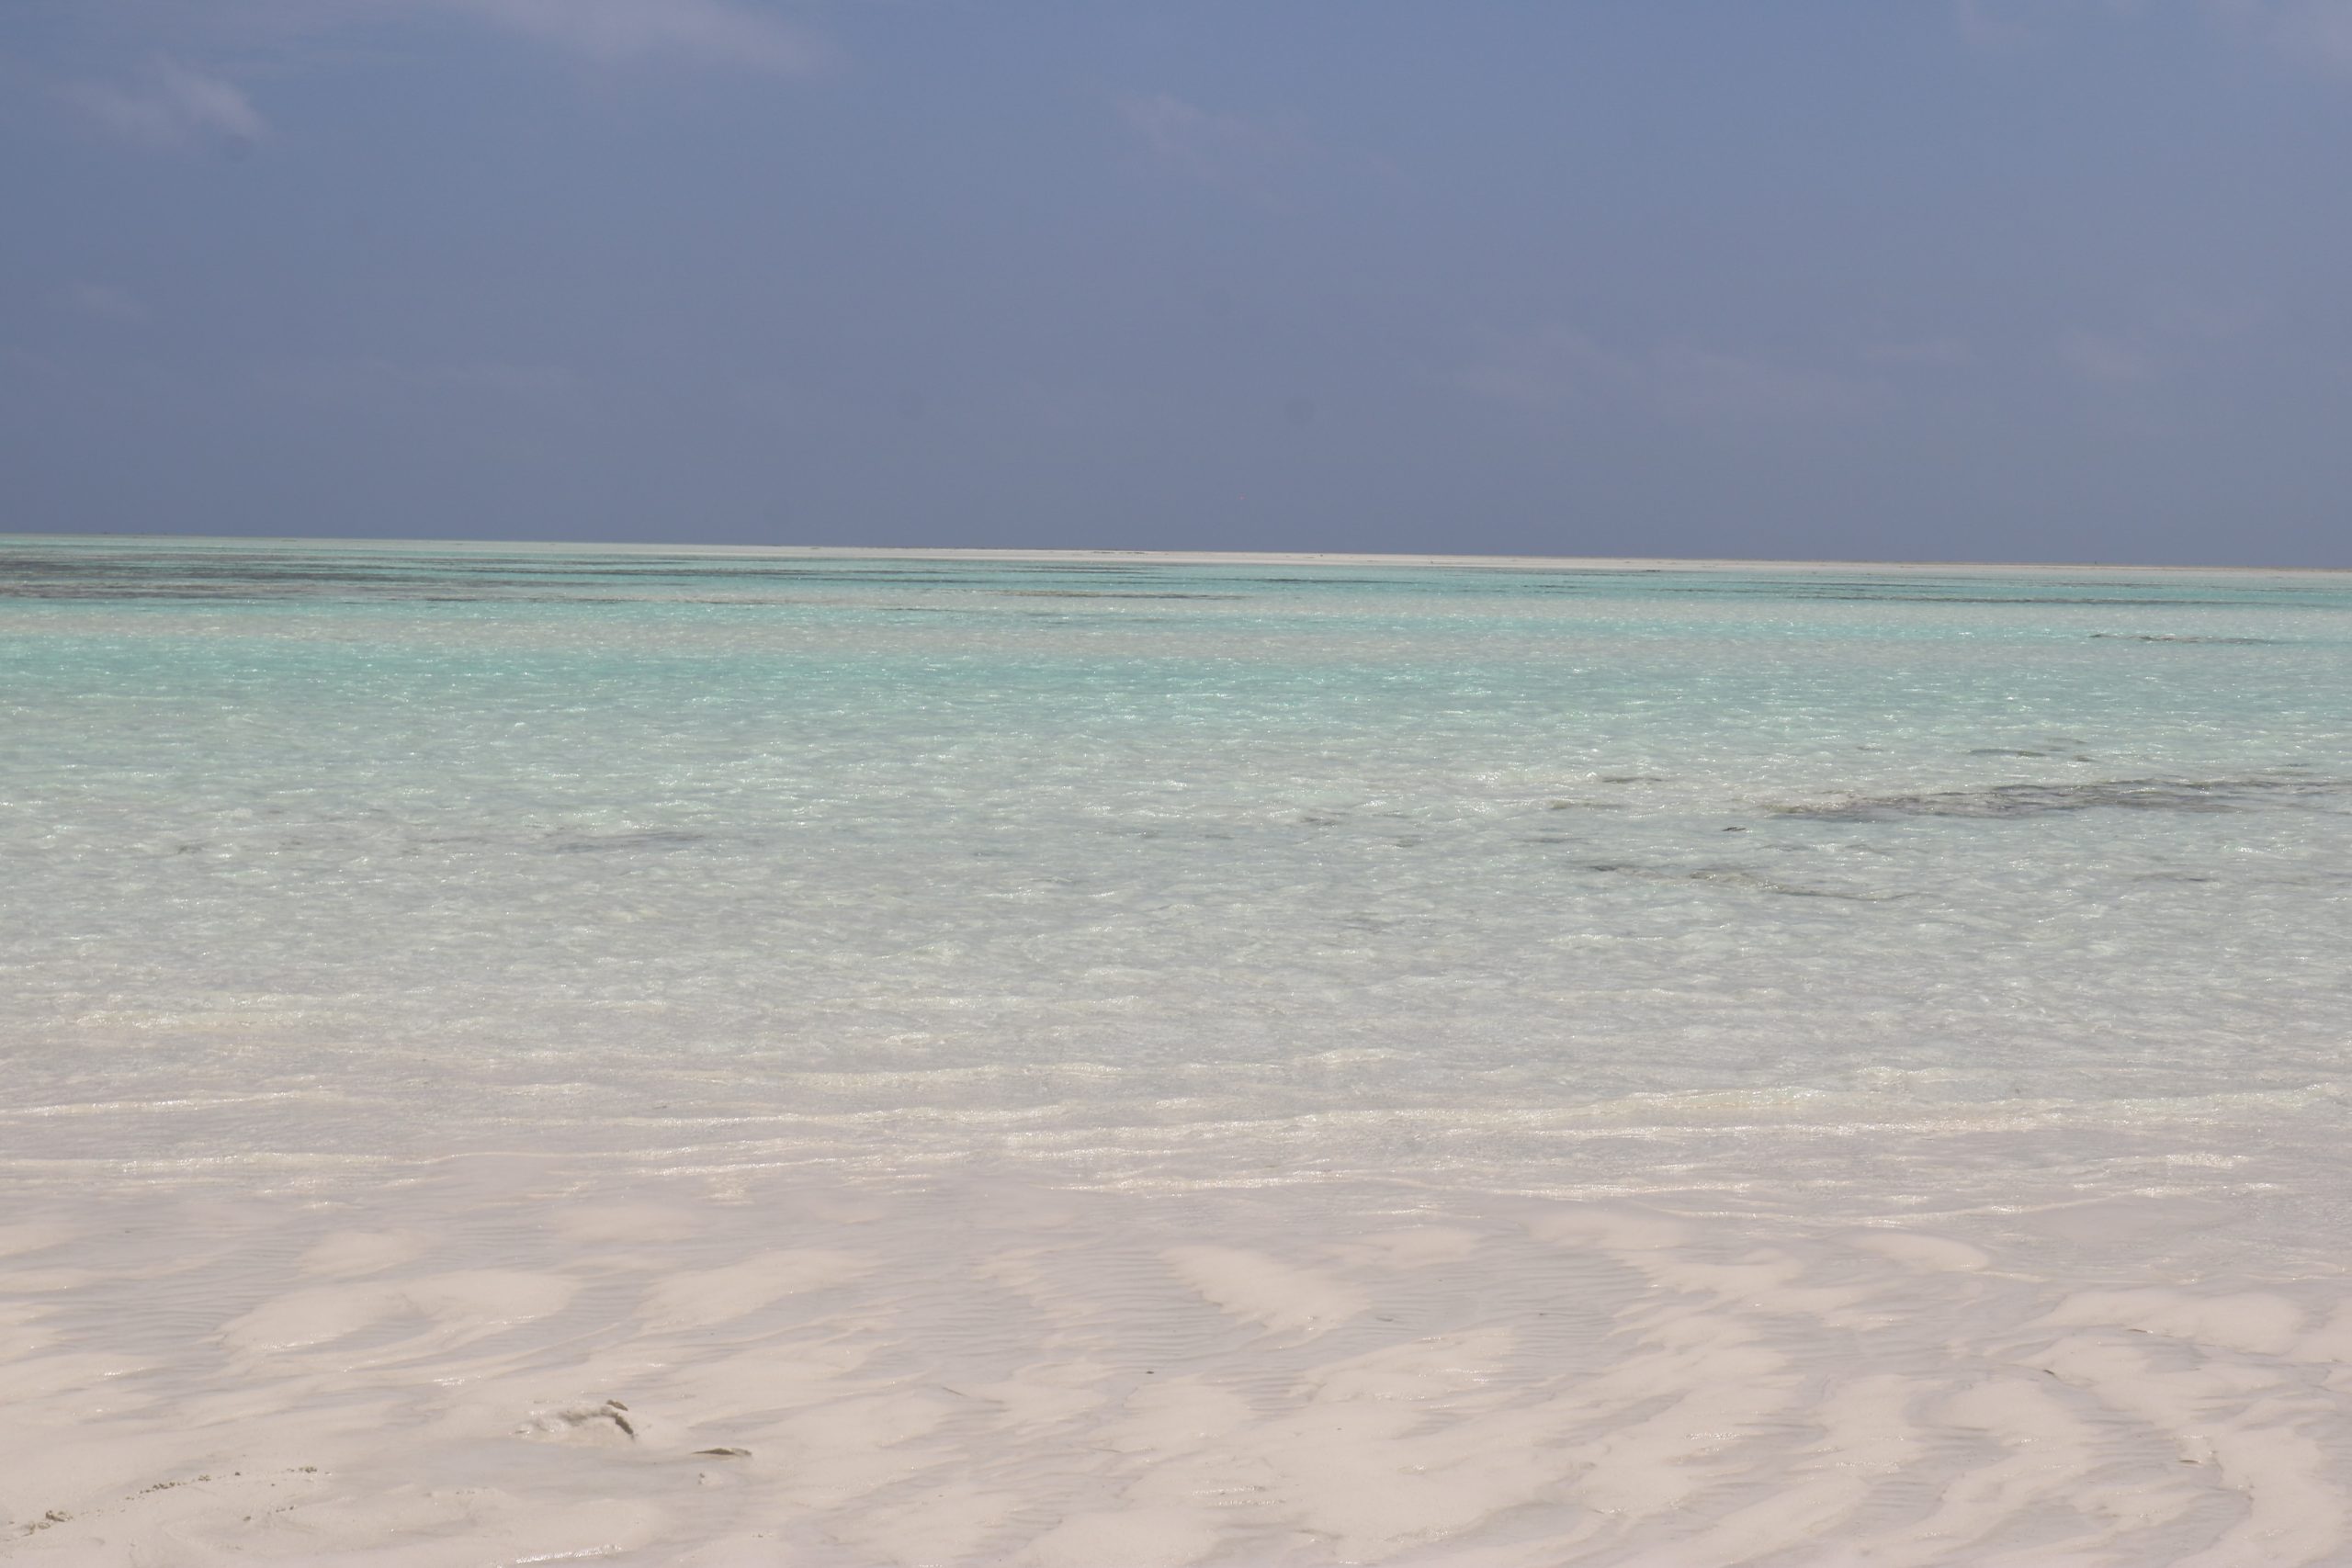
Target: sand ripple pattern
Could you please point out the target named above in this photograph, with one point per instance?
(517, 1362)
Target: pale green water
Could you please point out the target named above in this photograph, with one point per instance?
(317, 857)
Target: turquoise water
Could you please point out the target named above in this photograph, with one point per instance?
(1818, 885)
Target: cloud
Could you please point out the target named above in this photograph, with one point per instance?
(1554, 371)
(171, 106)
(2202, 317)
(2105, 358)
(105, 301)
(2314, 34)
(1228, 150)
(1934, 352)
(2006, 25)
(692, 32)
(2317, 33)
(373, 376)
(2173, 331)
(1982, 27)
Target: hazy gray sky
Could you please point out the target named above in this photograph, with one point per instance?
(2054, 279)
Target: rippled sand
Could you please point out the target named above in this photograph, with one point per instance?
(518, 1360)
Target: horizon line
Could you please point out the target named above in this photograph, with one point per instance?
(1498, 560)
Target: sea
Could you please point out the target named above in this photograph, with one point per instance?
(1146, 1059)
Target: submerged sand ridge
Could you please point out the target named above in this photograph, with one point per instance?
(530, 1360)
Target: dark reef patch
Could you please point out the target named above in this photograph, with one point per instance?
(2184, 636)
(2007, 801)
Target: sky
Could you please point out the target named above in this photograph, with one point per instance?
(2000, 279)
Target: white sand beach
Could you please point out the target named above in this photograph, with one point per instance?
(508, 1362)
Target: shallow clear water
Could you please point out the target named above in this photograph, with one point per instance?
(1153, 870)
(2011, 904)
